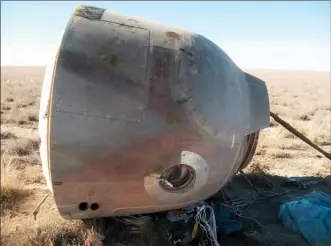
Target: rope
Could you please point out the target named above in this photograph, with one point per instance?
(205, 217)
(291, 129)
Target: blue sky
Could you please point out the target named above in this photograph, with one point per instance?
(271, 35)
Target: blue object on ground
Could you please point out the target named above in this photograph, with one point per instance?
(310, 216)
(225, 225)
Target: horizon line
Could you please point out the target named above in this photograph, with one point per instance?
(242, 68)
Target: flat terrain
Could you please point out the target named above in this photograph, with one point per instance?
(300, 97)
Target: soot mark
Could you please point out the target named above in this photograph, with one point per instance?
(183, 100)
(112, 60)
(91, 13)
(186, 52)
(173, 35)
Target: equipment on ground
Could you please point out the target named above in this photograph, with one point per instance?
(138, 117)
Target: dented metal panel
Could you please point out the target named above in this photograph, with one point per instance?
(133, 98)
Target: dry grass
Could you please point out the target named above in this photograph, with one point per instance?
(65, 233)
(33, 175)
(5, 108)
(282, 154)
(21, 116)
(22, 147)
(12, 183)
(51, 229)
(257, 167)
(305, 117)
(273, 123)
(301, 98)
(7, 135)
(10, 99)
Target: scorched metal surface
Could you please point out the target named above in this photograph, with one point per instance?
(126, 101)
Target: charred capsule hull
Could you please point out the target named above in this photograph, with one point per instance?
(139, 117)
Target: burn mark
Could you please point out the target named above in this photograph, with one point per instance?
(100, 71)
(183, 100)
(125, 25)
(103, 58)
(112, 59)
(76, 62)
(160, 92)
(133, 20)
(160, 68)
(173, 35)
(57, 183)
(186, 52)
(91, 13)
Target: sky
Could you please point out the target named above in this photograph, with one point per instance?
(256, 35)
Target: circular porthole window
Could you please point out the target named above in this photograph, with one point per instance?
(177, 177)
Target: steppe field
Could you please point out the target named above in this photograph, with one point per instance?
(302, 98)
